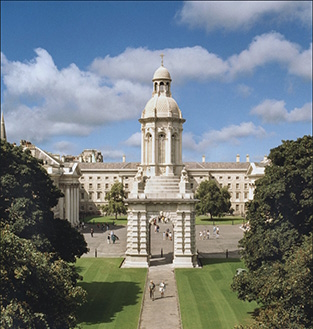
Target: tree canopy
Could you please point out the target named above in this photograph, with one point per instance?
(213, 200)
(38, 284)
(277, 249)
(115, 198)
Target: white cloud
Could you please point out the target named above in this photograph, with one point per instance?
(244, 90)
(274, 111)
(183, 63)
(134, 140)
(235, 15)
(71, 101)
(64, 147)
(227, 135)
(269, 48)
(109, 155)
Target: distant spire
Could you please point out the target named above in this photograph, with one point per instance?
(3, 133)
(162, 55)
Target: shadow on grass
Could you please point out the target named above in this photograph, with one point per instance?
(232, 254)
(106, 299)
(209, 261)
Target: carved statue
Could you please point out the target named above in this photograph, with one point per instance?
(184, 176)
(139, 175)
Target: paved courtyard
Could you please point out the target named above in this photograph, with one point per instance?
(209, 248)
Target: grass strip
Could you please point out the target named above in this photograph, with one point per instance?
(206, 299)
(114, 294)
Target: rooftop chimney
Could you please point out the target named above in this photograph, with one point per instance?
(203, 158)
(238, 158)
(247, 158)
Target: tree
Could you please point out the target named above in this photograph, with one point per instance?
(277, 249)
(37, 290)
(213, 200)
(38, 285)
(115, 198)
(27, 195)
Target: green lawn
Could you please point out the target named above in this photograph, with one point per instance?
(200, 220)
(114, 294)
(121, 220)
(205, 220)
(206, 299)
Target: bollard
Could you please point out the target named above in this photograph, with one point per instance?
(96, 252)
(226, 253)
(161, 252)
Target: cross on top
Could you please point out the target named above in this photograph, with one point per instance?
(162, 55)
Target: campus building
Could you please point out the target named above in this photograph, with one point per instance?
(85, 179)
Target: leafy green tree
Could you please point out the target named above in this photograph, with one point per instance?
(213, 200)
(277, 249)
(38, 285)
(115, 198)
(37, 290)
(27, 195)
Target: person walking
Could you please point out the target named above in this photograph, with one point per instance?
(91, 232)
(151, 290)
(162, 288)
(108, 238)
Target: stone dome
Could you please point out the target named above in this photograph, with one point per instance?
(162, 74)
(161, 107)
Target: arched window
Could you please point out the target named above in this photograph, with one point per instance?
(155, 87)
(161, 148)
(149, 148)
(162, 86)
(173, 148)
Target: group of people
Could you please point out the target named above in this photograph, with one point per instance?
(205, 234)
(112, 237)
(152, 289)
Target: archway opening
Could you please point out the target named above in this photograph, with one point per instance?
(161, 241)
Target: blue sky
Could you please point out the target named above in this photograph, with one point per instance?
(77, 75)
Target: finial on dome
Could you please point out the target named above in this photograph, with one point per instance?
(162, 55)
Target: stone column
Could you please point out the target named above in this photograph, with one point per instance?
(67, 203)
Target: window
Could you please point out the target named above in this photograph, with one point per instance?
(246, 195)
(90, 185)
(82, 185)
(126, 177)
(115, 177)
(98, 185)
(90, 196)
(229, 185)
(191, 185)
(82, 178)
(98, 177)
(221, 177)
(106, 177)
(237, 195)
(237, 177)
(126, 185)
(201, 177)
(82, 195)
(229, 177)
(98, 195)
(107, 185)
(90, 177)
(237, 186)
(246, 185)
(237, 207)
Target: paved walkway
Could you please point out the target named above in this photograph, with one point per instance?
(163, 313)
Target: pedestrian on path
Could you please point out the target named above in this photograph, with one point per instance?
(108, 238)
(162, 288)
(151, 290)
(91, 232)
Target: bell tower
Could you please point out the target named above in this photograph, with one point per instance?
(161, 184)
(161, 129)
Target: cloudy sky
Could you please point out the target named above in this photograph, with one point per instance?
(77, 75)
